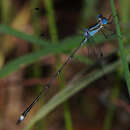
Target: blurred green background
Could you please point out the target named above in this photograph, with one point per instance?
(36, 37)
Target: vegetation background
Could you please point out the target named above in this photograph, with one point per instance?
(36, 37)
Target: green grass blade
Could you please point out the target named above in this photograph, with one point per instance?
(111, 108)
(70, 90)
(22, 61)
(122, 49)
(51, 20)
(53, 30)
(14, 65)
(30, 38)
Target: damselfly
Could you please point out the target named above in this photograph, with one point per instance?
(88, 33)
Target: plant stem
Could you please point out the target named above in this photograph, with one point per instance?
(51, 20)
(54, 38)
(122, 49)
(111, 108)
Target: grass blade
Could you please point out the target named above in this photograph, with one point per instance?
(122, 49)
(32, 39)
(14, 65)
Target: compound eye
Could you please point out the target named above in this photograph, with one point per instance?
(104, 21)
(99, 16)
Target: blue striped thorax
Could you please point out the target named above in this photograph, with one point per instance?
(91, 31)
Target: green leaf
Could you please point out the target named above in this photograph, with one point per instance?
(30, 38)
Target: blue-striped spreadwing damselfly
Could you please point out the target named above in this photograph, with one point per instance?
(88, 33)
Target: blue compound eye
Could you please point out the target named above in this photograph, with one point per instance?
(104, 21)
(99, 16)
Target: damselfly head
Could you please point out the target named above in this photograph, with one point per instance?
(99, 16)
(103, 19)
